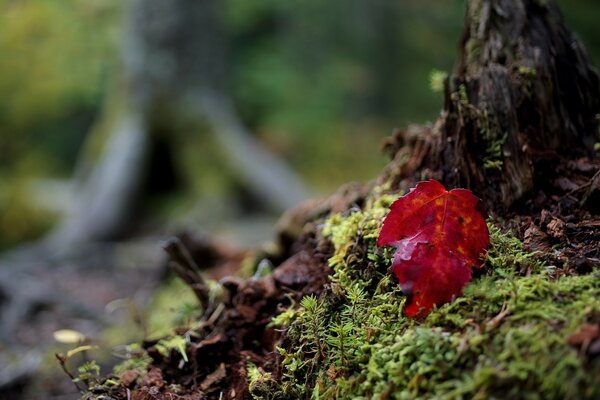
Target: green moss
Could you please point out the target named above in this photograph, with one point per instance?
(493, 153)
(463, 95)
(494, 138)
(260, 383)
(505, 337)
(527, 72)
(136, 359)
(473, 50)
(506, 254)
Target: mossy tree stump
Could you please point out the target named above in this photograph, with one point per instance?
(523, 98)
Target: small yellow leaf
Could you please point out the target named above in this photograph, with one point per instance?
(69, 336)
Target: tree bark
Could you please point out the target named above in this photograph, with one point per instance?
(523, 98)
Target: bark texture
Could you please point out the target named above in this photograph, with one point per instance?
(523, 97)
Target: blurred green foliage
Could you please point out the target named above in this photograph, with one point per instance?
(320, 82)
(323, 82)
(56, 55)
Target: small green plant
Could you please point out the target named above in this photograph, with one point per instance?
(341, 340)
(313, 318)
(174, 343)
(89, 373)
(261, 384)
(284, 319)
(136, 359)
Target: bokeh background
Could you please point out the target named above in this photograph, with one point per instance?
(315, 84)
(318, 83)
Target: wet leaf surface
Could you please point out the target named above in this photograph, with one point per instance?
(440, 236)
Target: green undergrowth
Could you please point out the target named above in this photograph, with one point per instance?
(504, 338)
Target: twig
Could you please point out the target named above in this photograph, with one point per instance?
(184, 265)
(62, 360)
(594, 184)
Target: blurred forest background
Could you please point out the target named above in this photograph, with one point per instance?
(318, 83)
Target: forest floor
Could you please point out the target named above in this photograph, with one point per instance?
(107, 292)
(322, 321)
(257, 335)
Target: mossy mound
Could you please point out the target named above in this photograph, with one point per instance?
(518, 331)
(505, 338)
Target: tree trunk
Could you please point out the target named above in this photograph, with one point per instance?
(523, 99)
(175, 66)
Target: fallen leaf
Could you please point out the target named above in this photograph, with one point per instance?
(147, 393)
(439, 237)
(153, 378)
(584, 335)
(129, 377)
(214, 377)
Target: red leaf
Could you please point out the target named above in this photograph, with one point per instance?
(439, 237)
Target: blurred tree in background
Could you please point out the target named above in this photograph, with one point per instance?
(56, 57)
(319, 82)
(322, 79)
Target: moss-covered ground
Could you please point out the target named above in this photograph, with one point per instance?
(506, 337)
